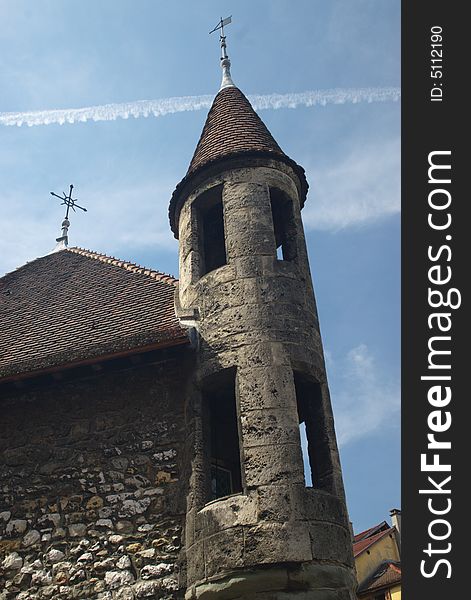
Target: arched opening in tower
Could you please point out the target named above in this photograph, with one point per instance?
(222, 435)
(314, 439)
(283, 224)
(210, 225)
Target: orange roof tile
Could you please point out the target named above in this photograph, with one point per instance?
(386, 575)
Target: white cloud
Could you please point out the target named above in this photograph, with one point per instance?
(362, 188)
(363, 398)
(166, 106)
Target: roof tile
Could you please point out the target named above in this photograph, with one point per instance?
(76, 304)
(232, 126)
(386, 575)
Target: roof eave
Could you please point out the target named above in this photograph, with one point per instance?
(194, 178)
(29, 374)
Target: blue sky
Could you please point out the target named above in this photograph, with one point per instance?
(82, 53)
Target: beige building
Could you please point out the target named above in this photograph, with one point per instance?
(377, 553)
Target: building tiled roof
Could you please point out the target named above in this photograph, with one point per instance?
(232, 126)
(74, 305)
(363, 544)
(232, 130)
(369, 532)
(387, 574)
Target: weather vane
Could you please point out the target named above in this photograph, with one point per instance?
(225, 62)
(71, 203)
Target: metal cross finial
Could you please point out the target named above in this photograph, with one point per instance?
(71, 203)
(225, 62)
(68, 201)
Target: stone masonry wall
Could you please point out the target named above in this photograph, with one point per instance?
(92, 490)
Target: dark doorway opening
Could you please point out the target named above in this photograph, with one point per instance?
(211, 229)
(283, 224)
(314, 439)
(223, 437)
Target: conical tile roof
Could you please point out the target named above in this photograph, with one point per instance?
(232, 126)
(232, 129)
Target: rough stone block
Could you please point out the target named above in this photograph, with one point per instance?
(249, 266)
(270, 388)
(244, 194)
(274, 503)
(336, 577)
(190, 527)
(302, 349)
(276, 543)
(12, 562)
(279, 464)
(278, 175)
(224, 551)
(195, 555)
(318, 505)
(230, 512)
(210, 281)
(279, 289)
(242, 585)
(147, 589)
(262, 427)
(235, 293)
(190, 268)
(16, 527)
(331, 542)
(250, 243)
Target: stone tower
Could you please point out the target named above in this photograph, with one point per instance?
(254, 529)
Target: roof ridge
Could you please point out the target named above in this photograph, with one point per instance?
(371, 531)
(125, 264)
(369, 541)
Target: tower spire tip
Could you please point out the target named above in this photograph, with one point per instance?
(225, 61)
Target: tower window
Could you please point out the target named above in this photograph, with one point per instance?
(222, 435)
(314, 442)
(284, 225)
(211, 230)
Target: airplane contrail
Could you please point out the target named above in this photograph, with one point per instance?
(167, 106)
